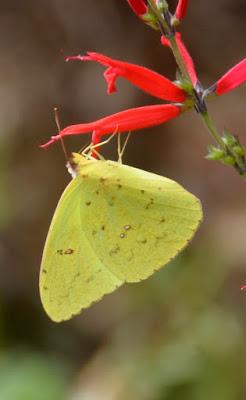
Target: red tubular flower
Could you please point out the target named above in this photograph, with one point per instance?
(181, 9)
(149, 81)
(144, 12)
(135, 118)
(232, 79)
(185, 55)
(138, 6)
(127, 120)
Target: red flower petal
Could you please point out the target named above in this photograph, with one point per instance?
(149, 81)
(181, 9)
(138, 6)
(185, 55)
(233, 78)
(243, 287)
(127, 120)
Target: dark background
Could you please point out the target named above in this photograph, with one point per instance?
(180, 334)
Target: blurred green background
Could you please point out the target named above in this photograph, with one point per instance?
(181, 334)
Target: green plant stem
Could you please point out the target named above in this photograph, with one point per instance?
(179, 59)
(240, 165)
(167, 30)
(163, 25)
(208, 122)
(213, 130)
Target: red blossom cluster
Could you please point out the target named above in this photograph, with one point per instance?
(180, 97)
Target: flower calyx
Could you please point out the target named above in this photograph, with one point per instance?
(232, 154)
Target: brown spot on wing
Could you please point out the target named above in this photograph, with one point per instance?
(69, 251)
(115, 250)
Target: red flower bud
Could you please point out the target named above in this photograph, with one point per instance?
(138, 6)
(181, 9)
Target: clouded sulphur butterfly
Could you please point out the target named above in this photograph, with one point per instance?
(113, 224)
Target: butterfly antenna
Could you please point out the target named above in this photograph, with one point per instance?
(121, 151)
(68, 163)
(57, 120)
